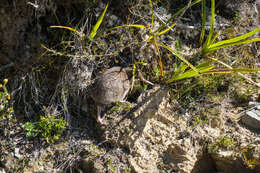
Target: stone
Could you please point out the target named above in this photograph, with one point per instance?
(252, 119)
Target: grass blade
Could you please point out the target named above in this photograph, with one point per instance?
(166, 30)
(97, 25)
(180, 69)
(179, 56)
(233, 70)
(133, 77)
(203, 19)
(208, 50)
(240, 74)
(236, 39)
(208, 70)
(130, 25)
(202, 68)
(68, 28)
(151, 28)
(160, 33)
(214, 38)
(212, 23)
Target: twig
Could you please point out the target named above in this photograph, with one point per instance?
(240, 74)
(187, 26)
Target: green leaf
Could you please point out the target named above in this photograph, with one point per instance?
(28, 126)
(182, 67)
(130, 25)
(202, 68)
(208, 50)
(233, 70)
(203, 18)
(214, 38)
(151, 5)
(69, 28)
(97, 25)
(179, 56)
(236, 39)
(212, 23)
(160, 33)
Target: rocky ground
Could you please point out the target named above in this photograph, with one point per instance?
(192, 126)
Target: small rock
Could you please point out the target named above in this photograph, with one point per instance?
(2, 170)
(252, 119)
(16, 153)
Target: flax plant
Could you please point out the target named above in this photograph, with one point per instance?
(210, 46)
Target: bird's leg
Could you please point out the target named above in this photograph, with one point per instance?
(99, 118)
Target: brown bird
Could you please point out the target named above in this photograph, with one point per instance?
(112, 86)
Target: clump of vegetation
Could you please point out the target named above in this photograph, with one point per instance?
(242, 95)
(248, 156)
(49, 128)
(199, 120)
(6, 106)
(213, 83)
(224, 142)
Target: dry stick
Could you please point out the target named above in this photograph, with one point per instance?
(160, 58)
(240, 74)
(196, 26)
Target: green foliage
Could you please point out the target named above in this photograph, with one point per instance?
(248, 156)
(242, 95)
(111, 165)
(178, 45)
(224, 142)
(199, 121)
(213, 83)
(6, 105)
(185, 69)
(209, 45)
(119, 107)
(97, 25)
(143, 87)
(93, 31)
(160, 31)
(156, 72)
(48, 128)
(180, 72)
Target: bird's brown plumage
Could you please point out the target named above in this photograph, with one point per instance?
(112, 86)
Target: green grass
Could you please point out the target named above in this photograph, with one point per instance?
(49, 128)
(186, 70)
(222, 143)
